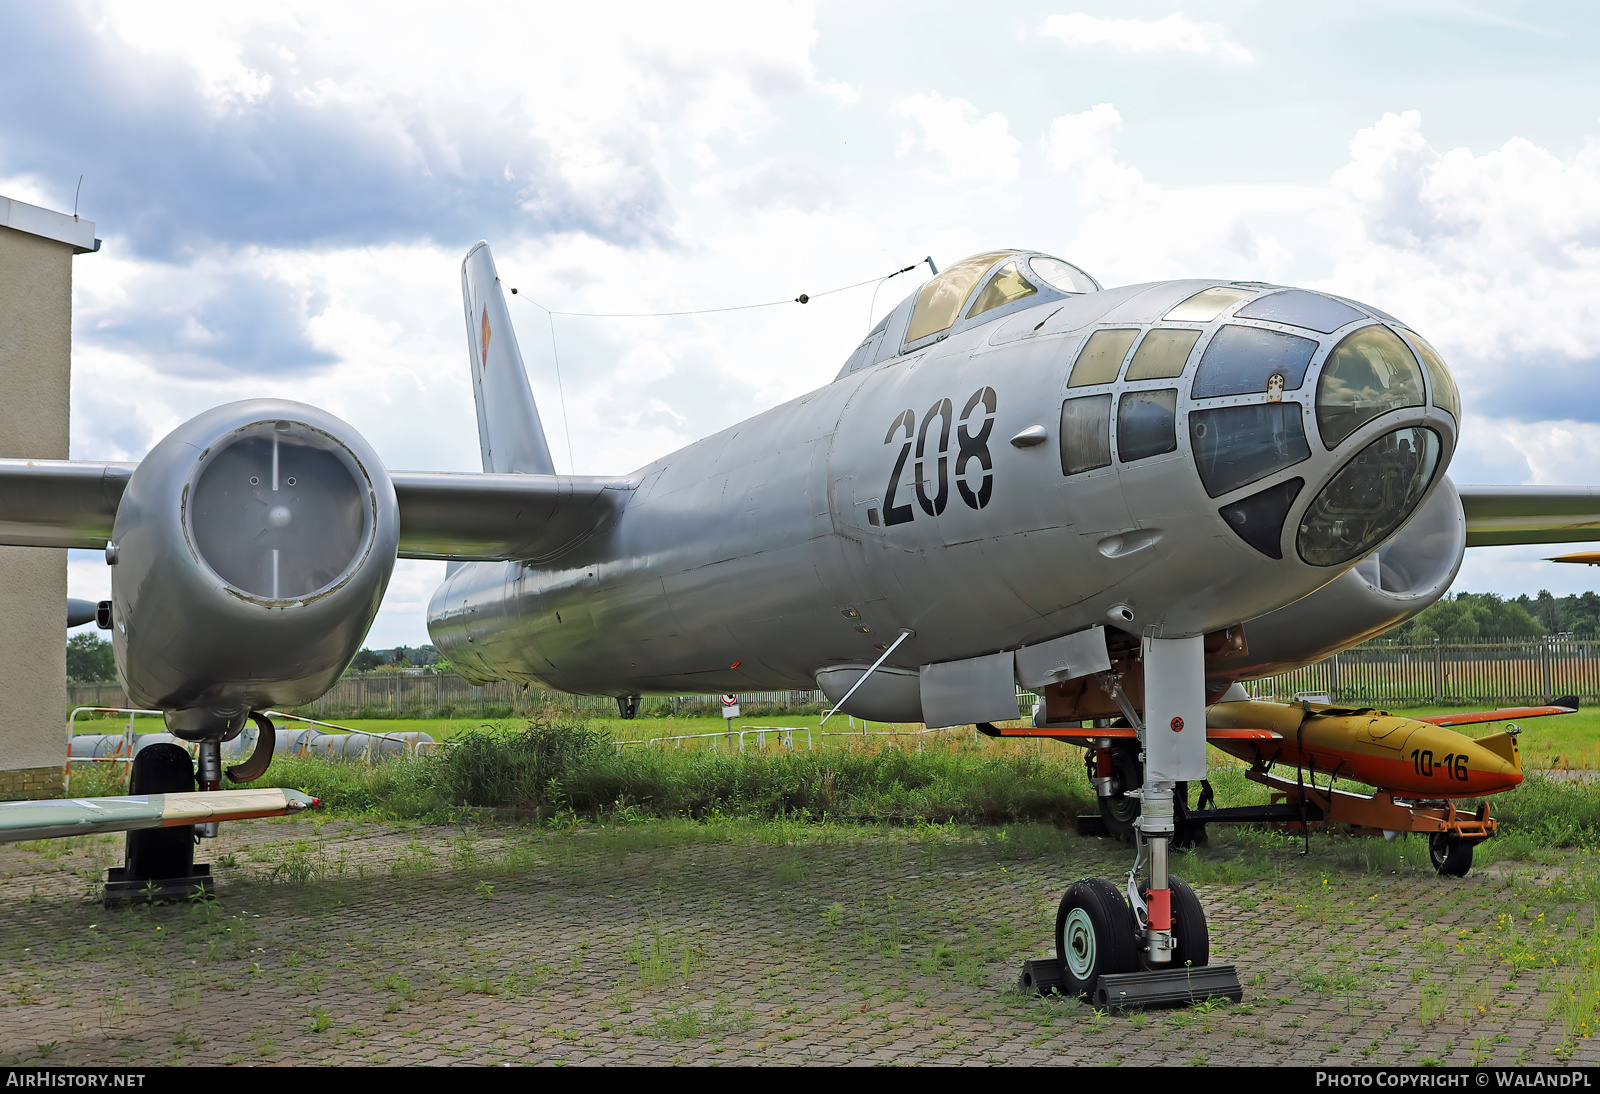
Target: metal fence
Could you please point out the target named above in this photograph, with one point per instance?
(1515, 670)
(445, 695)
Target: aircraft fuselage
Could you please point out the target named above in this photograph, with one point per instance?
(931, 492)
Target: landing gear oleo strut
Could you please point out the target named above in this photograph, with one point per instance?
(1146, 945)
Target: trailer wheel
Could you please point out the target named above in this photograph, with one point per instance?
(1451, 855)
(1118, 813)
(1094, 935)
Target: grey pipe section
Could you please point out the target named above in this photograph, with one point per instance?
(290, 742)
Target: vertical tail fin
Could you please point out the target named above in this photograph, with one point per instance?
(509, 431)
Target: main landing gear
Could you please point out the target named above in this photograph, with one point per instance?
(158, 863)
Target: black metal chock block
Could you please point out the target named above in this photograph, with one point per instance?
(1168, 987)
(1041, 975)
(1091, 824)
(121, 889)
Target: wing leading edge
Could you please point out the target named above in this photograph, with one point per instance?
(443, 515)
(1505, 515)
(485, 517)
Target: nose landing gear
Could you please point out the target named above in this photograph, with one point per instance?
(1153, 948)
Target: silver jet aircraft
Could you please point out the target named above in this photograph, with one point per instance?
(1124, 499)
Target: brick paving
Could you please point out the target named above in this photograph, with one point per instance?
(350, 943)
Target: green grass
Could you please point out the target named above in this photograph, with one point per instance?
(573, 770)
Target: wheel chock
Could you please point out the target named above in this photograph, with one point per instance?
(121, 889)
(1167, 987)
(1041, 976)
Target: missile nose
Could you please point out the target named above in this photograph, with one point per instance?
(1494, 772)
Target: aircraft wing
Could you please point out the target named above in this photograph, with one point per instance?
(483, 517)
(459, 517)
(59, 503)
(1502, 515)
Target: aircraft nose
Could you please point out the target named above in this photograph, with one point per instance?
(1281, 371)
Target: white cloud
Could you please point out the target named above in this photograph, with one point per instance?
(1496, 257)
(1130, 229)
(1175, 33)
(845, 94)
(975, 147)
(1074, 140)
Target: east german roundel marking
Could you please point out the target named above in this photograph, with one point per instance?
(1177, 725)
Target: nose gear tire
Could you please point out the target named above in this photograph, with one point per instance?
(1094, 935)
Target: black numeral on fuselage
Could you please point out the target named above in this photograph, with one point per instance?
(1453, 766)
(934, 452)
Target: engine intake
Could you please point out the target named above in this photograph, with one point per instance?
(246, 576)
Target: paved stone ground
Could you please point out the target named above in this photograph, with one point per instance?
(676, 943)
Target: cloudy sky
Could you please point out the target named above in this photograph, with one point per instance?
(285, 195)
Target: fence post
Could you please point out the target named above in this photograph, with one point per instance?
(1333, 682)
(1438, 672)
(1544, 666)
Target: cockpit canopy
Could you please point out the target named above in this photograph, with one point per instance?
(986, 285)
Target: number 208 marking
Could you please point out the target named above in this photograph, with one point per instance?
(936, 451)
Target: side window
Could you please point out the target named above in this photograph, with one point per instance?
(1299, 308)
(1207, 304)
(1445, 395)
(1085, 434)
(1236, 445)
(939, 301)
(1145, 424)
(1004, 287)
(1240, 360)
(1162, 354)
(1101, 357)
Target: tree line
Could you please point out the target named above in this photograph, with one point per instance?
(1464, 616)
(89, 659)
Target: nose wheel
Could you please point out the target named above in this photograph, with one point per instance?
(1094, 935)
(1191, 940)
(1099, 958)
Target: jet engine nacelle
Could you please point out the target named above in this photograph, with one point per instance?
(1385, 589)
(250, 552)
